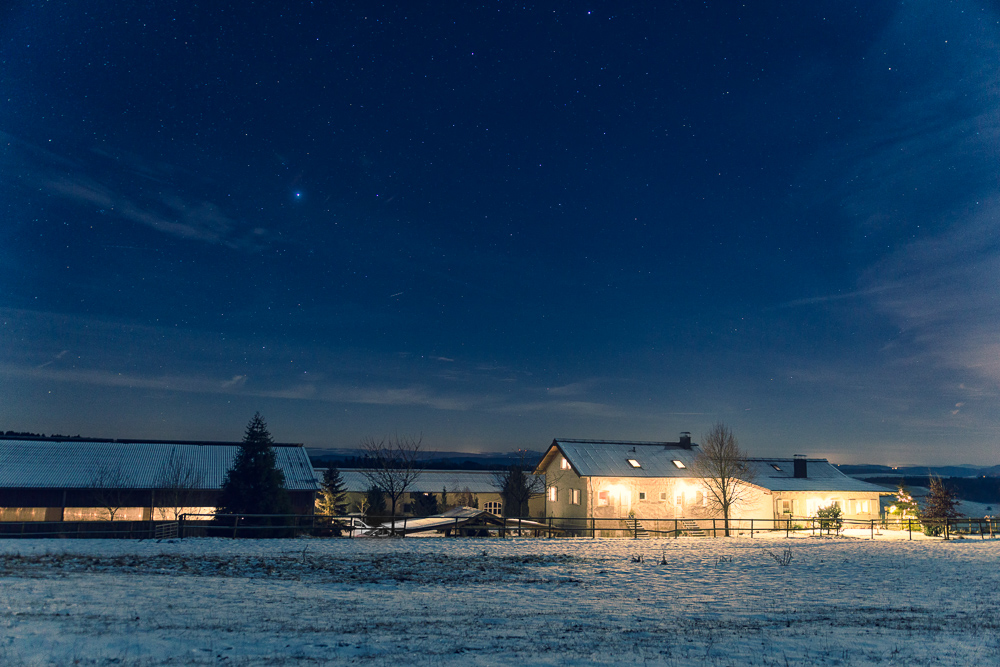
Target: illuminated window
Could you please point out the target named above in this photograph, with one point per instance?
(574, 496)
(634, 463)
(786, 506)
(679, 464)
(493, 507)
(553, 494)
(663, 496)
(642, 495)
(602, 499)
(564, 464)
(776, 467)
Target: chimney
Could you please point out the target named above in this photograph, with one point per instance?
(799, 461)
(685, 439)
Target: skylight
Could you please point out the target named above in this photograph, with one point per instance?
(634, 463)
(775, 466)
(679, 464)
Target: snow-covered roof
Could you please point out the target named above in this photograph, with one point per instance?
(611, 458)
(614, 458)
(75, 464)
(428, 481)
(821, 475)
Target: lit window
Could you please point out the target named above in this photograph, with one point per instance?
(642, 495)
(776, 467)
(574, 496)
(564, 464)
(663, 496)
(679, 464)
(493, 507)
(634, 463)
(553, 494)
(602, 499)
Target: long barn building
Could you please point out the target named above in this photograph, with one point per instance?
(78, 479)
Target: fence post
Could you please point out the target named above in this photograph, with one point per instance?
(677, 533)
(236, 524)
(909, 527)
(715, 531)
(751, 528)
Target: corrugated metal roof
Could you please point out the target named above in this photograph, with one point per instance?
(75, 464)
(821, 475)
(428, 481)
(605, 458)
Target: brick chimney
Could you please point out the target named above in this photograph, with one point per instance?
(685, 440)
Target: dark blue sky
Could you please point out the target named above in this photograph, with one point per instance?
(498, 224)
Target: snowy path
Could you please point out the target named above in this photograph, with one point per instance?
(486, 602)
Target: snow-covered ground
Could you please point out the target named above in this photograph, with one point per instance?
(839, 601)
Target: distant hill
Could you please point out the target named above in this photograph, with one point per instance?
(866, 471)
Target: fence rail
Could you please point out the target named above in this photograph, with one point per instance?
(291, 525)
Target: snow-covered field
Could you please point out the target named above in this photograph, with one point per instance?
(839, 601)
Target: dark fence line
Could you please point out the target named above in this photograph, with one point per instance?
(291, 525)
(637, 527)
(127, 530)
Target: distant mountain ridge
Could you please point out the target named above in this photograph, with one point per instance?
(865, 471)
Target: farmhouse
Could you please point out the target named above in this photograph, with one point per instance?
(79, 479)
(607, 479)
(470, 488)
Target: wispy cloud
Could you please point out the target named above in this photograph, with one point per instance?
(169, 210)
(921, 182)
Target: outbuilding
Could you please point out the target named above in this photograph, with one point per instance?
(81, 479)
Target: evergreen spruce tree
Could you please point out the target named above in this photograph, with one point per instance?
(904, 507)
(376, 504)
(254, 484)
(333, 495)
(425, 504)
(939, 505)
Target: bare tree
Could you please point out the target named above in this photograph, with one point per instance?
(391, 466)
(108, 486)
(517, 485)
(726, 472)
(177, 485)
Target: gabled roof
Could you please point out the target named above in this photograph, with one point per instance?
(610, 458)
(428, 481)
(821, 475)
(75, 463)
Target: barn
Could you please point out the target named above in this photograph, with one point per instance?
(81, 479)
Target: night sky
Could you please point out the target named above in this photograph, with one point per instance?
(497, 224)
